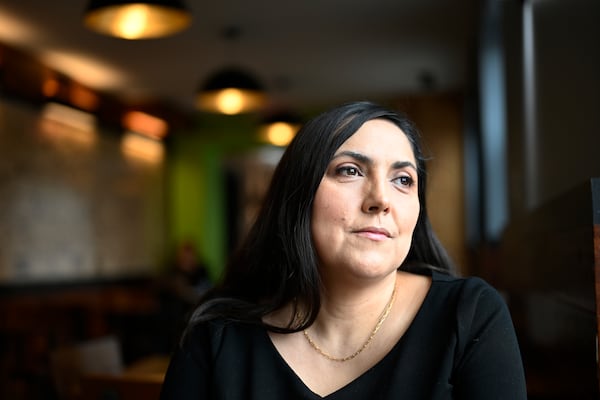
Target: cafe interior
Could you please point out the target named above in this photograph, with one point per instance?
(137, 140)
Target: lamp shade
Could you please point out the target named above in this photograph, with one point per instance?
(231, 90)
(137, 19)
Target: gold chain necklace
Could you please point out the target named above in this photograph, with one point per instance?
(382, 318)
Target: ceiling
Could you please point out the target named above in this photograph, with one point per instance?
(307, 53)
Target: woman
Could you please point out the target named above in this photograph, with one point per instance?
(341, 289)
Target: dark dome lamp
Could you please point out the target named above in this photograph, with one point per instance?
(137, 19)
(231, 90)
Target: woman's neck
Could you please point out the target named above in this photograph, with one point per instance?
(349, 314)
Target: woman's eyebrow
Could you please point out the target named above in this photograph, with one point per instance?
(404, 164)
(357, 156)
(369, 161)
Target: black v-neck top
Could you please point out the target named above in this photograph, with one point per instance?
(461, 345)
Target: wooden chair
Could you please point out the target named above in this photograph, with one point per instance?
(69, 364)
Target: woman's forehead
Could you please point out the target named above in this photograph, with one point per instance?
(380, 139)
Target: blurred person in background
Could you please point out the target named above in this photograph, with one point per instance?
(179, 290)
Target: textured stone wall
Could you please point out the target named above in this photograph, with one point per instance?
(72, 205)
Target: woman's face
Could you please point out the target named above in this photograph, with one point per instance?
(367, 205)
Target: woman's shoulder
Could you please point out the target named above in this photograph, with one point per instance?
(465, 285)
(443, 275)
(465, 297)
(215, 328)
(213, 333)
(475, 300)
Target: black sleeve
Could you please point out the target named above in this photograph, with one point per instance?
(489, 364)
(189, 372)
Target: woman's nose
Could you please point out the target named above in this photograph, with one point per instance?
(376, 198)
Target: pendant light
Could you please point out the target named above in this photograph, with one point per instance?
(231, 89)
(137, 19)
(279, 128)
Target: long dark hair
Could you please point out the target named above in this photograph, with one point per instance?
(276, 264)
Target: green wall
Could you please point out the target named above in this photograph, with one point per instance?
(196, 197)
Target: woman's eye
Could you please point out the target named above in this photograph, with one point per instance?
(404, 181)
(348, 171)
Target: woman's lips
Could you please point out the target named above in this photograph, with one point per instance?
(373, 233)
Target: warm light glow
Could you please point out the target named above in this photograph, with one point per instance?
(279, 133)
(83, 97)
(67, 123)
(137, 20)
(50, 87)
(88, 71)
(16, 32)
(131, 21)
(142, 148)
(69, 116)
(231, 101)
(145, 124)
